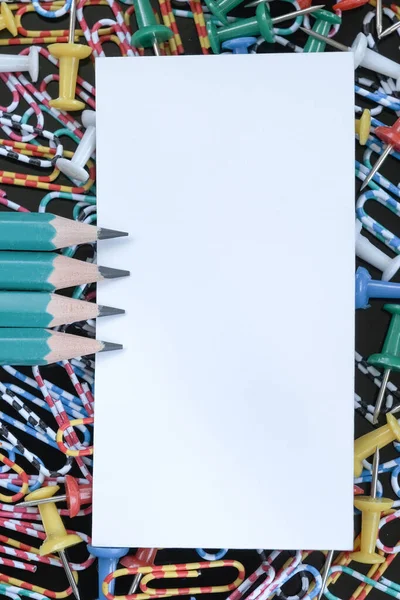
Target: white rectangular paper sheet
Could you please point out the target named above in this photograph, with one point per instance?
(227, 420)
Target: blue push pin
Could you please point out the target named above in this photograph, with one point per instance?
(367, 288)
(107, 563)
(239, 45)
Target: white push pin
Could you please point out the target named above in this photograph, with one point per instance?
(375, 257)
(74, 168)
(363, 56)
(14, 63)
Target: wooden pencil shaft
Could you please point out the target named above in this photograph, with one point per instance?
(28, 346)
(47, 232)
(41, 309)
(47, 271)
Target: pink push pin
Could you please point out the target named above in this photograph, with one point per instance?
(144, 557)
(391, 137)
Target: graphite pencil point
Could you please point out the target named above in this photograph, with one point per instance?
(110, 273)
(106, 311)
(107, 234)
(109, 346)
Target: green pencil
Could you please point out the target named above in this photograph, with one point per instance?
(41, 309)
(29, 347)
(44, 231)
(47, 271)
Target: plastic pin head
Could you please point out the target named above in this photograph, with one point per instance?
(69, 56)
(371, 508)
(7, 20)
(57, 537)
(390, 135)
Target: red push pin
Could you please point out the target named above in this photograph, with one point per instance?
(348, 4)
(75, 496)
(144, 557)
(391, 137)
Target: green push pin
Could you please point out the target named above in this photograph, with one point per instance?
(149, 33)
(322, 25)
(389, 358)
(222, 8)
(262, 24)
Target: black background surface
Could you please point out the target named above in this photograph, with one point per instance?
(371, 324)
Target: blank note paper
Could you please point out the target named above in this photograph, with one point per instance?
(229, 412)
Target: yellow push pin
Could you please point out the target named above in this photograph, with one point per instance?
(57, 537)
(365, 445)
(7, 20)
(69, 55)
(371, 508)
(363, 127)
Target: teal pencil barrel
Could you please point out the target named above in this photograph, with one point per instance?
(27, 231)
(26, 271)
(24, 347)
(24, 309)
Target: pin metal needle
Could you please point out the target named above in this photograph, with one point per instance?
(379, 18)
(69, 574)
(390, 30)
(72, 20)
(135, 583)
(325, 573)
(375, 468)
(27, 504)
(297, 13)
(327, 40)
(377, 165)
(381, 396)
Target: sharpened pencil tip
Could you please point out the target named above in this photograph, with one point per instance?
(108, 234)
(110, 273)
(106, 311)
(109, 346)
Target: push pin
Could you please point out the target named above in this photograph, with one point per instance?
(367, 288)
(363, 56)
(75, 496)
(363, 127)
(222, 8)
(366, 445)
(107, 562)
(322, 25)
(371, 508)
(349, 4)
(74, 168)
(391, 137)
(389, 358)
(375, 257)
(262, 24)
(144, 557)
(69, 55)
(7, 20)
(57, 539)
(11, 63)
(239, 45)
(149, 33)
